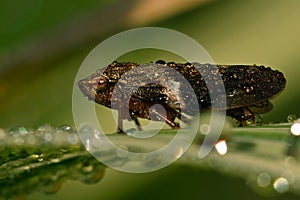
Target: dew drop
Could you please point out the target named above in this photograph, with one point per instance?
(231, 92)
(31, 140)
(221, 147)
(13, 131)
(279, 75)
(161, 62)
(281, 185)
(232, 75)
(188, 64)
(247, 88)
(171, 64)
(249, 122)
(86, 131)
(48, 137)
(235, 122)
(41, 159)
(65, 128)
(258, 119)
(72, 138)
(205, 129)
(88, 144)
(23, 131)
(19, 141)
(44, 129)
(291, 118)
(295, 128)
(263, 179)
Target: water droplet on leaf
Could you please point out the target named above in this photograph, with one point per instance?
(281, 185)
(291, 118)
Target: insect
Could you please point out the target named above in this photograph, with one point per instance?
(248, 89)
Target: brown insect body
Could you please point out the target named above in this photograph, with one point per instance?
(248, 89)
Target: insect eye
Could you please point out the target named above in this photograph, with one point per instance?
(101, 82)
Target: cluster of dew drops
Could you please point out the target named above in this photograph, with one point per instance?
(287, 181)
(26, 150)
(47, 140)
(43, 141)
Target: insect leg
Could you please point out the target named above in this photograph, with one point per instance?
(261, 107)
(120, 124)
(138, 125)
(121, 116)
(242, 115)
(169, 119)
(178, 115)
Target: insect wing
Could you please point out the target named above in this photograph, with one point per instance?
(250, 85)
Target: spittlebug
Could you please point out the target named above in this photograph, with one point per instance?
(248, 89)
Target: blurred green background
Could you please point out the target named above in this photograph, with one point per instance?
(43, 42)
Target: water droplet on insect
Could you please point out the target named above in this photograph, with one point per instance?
(235, 122)
(161, 62)
(171, 64)
(249, 122)
(188, 64)
(281, 185)
(291, 118)
(279, 75)
(232, 75)
(258, 119)
(88, 144)
(231, 92)
(40, 159)
(247, 88)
